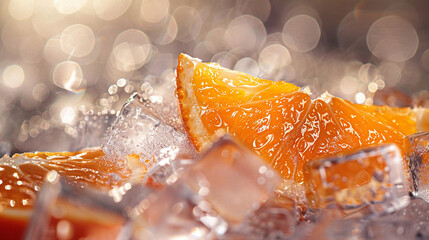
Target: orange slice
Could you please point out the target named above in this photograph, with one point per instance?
(22, 175)
(279, 120)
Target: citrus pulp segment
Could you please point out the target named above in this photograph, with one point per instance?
(279, 120)
(22, 176)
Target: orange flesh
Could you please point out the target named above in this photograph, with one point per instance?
(23, 176)
(282, 123)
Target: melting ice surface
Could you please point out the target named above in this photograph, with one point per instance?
(142, 128)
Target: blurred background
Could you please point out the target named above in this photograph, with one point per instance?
(67, 66)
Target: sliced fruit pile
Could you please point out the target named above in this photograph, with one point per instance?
(279, 120)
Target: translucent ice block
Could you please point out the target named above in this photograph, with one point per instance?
(232, 178)
(91, 129)
(275, 219)
(388, 227)
(417, 153)
(167, 170)
(138, 131)
(173, 212)
(64, 211)
(366, 182)
(332, 229)
(417, 211)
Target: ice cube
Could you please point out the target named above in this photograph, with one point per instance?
(275, 219)
(164, 207)
(167, 170)
(232, 178)
(389, 227)
(332, 229)
(91, 128)
(63, 211)
(417, 154)
(135, 131)
(160, 100)
(366, 182)
(174, 212)
(418, 211)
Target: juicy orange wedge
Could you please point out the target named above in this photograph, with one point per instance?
(278, 119)
(22, 176)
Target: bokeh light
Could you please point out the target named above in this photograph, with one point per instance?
(301, 33)
(21, 9)
(131, 50)
(110, 9)
(77, 40)
(68, 75)
(63, 59)
(13, 76)
(392, 38)
(67, 115)
(69, 7)
(153, 11)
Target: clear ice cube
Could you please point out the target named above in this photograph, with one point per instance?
(363, 183)
(388, 227)
(417, 154)
(232, 178)
(417, 211)
(64, 211)
(167, 170)
(173, 212)
(160, 100)
(332, 229)
(275, 219)
(91, 130)
(137, 131)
